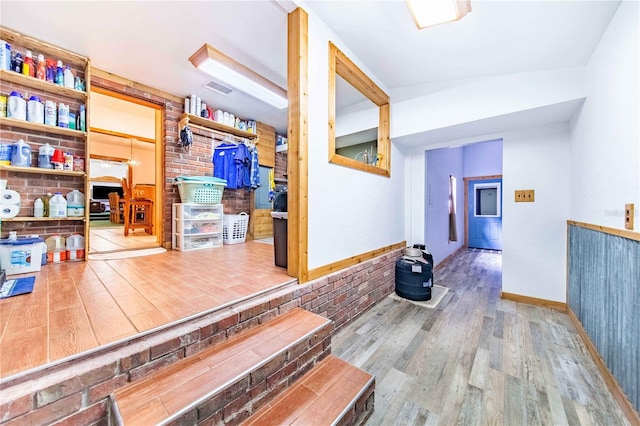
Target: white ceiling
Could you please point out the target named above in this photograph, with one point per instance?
(151, 41)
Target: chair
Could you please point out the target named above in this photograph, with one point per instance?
(138, 212)
(115, 208)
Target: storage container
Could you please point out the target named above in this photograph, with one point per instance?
(234, 228)
(200, 189)
(196, 226)
(21, 255)
(413, 278)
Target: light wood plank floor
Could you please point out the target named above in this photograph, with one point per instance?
(102, 240)
(77, 306)
(476, 359)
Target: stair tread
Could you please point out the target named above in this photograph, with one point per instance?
(176, 387)
(319, 397)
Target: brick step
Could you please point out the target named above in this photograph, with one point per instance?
(332, 393)
(229, 380)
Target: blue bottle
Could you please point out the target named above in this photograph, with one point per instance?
(60, 74)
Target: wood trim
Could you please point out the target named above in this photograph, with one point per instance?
(122, 135)
(466, 202)
(353, 260)
(298, 136)
(624, 233)
(448, 258)
(558, 306)
(134, 85)
(158, 217)
(615, 389)
(340, 64)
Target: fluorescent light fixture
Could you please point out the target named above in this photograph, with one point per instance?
(225, 69)
(427, 13)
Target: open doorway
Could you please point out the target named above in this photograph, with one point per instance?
(124, 159)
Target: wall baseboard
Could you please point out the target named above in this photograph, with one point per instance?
(615, 389)
(559, 306)
(448, 258)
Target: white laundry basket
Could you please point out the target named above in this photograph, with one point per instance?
(234, 228)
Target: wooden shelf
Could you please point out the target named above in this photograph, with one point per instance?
(43, 219)
(206, 124)
(62, 131)
(42, 171)
(34, 83)
(49, 50)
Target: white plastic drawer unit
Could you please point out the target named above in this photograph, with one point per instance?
(197, 226)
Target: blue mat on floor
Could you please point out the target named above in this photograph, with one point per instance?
(17, 286)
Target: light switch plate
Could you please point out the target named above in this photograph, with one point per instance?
(628, 216)
(525, 196)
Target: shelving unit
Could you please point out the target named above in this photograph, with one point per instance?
(207, 125)
(196, 226)
(33, 182)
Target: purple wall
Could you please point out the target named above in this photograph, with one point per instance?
(482, 159)
(440, 164)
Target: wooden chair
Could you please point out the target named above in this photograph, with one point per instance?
(115, 208)
(138, 212)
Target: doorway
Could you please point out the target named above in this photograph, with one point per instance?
(125, 148)
(483, 213)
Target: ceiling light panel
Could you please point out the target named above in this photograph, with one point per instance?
(434, 12)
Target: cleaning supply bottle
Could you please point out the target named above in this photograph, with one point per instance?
(57, 206)
(21, 154)
(38, 208)
(56, 249)
(16, 62)
(41, 69)
(45, 201)
(51, 71)
(69, 79)
(60, 74)
(27, 65)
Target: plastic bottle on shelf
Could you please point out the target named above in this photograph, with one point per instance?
(57, 206)
(16, 63)
(51, 70)
(21, 154)
(69, 79)
(63, 115)
(56, 249)
(41, 69)
(75, 204)
(45, 201)
(35, 110)
(38, 208)
(59, 74)
(75, 247)
(5, 55)
(28, 67)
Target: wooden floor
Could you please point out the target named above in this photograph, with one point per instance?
(103, 240)
(77, 306)
(476, 359)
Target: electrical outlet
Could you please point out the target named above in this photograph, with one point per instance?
(628, 216)
(525, 196)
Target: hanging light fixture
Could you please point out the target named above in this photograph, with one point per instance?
(226, 70)
(132, 160)
(434, 12)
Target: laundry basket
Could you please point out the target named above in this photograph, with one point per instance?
(200, 189)
(234, 228)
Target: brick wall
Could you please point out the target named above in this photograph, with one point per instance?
(77, 392)
(280, 169)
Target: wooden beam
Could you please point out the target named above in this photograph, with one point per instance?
(298, 136)
(95, 72)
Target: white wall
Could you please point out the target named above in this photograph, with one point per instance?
(605, 139)
(350, 212)
(534, 234)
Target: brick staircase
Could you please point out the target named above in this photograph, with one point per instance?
(282, 365)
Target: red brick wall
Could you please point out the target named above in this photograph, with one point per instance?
(77, 393)
(281, 165)
(178, 161)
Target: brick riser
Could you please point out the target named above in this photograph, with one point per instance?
(75, 391)
(236, 401)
